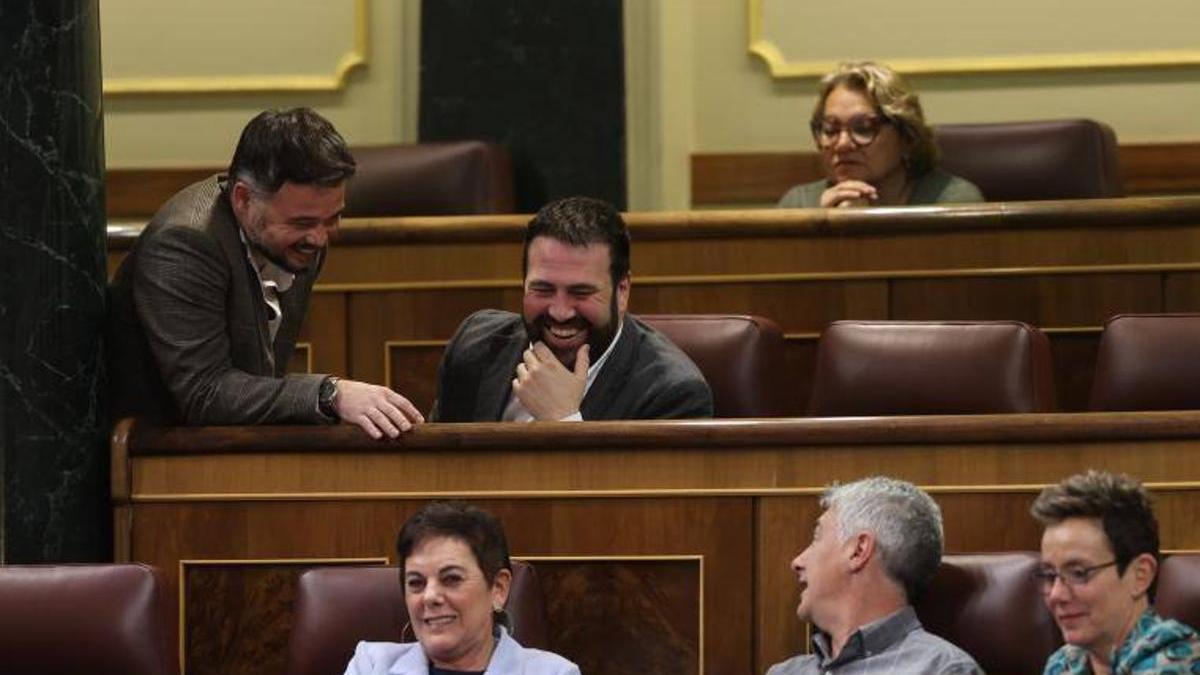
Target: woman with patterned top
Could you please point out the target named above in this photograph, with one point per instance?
(1099, 564)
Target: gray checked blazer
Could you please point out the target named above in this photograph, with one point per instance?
(187, 334)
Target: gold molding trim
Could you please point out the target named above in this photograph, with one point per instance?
(308, 355)
(778, 277)
(242, 84)
(671, 557)
(781, 68)
(1015, 488)
(387, 354)
(1061, 330)
(801, 336)
(183, 564)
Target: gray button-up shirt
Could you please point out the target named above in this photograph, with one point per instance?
(894, 644)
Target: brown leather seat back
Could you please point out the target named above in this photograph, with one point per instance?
(1015, 161)
(431, 179)
(990, 606)
(84, 620)
(1148, 362)
(931, 368)
(740, 356)
(1178, 594)
(336, 607)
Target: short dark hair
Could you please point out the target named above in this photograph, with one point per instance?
(579, 221)
(290, 146)
(1120, 503)
(457, 520)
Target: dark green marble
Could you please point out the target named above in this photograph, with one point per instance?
(545, 78)
(53, 425)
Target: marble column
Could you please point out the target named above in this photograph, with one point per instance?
(53, 424)
(544, 77)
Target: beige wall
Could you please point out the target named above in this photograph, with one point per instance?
(737, 106)
(692, 86)
(376, 104)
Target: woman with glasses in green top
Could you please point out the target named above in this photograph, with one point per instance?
(875, 146)
(1099, 563)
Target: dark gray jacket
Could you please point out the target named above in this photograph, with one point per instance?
(645, 376)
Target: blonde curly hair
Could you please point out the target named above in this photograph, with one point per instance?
(895, 101)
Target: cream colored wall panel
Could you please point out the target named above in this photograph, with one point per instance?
(972, 36)
(378, 103)
(740, 107)
(658, 103)
(150, 46)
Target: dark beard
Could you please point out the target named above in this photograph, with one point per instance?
(598, 340)
(279, 260)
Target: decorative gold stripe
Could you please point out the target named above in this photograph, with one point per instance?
(213, 562)
(1060, 330)
(308, 355)
(800, 336)
(784, 277)
(403, 344)
(781, 68)
(210, 84)
(156, 498)
(609, 558)
(442, 285)
(388, 345)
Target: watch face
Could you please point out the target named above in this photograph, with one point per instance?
(325, 397)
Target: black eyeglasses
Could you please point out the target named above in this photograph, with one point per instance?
(863, 130)
(1073, 576)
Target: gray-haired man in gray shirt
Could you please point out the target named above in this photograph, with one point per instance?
(877, 544)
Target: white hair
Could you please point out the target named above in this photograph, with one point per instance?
(905, 521)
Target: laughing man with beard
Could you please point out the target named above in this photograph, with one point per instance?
(205, 310)
(574, 353)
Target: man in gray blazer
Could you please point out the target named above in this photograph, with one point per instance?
(574, 353)
(205, 309)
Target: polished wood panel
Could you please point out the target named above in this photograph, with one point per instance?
(740, 178)
(236, 617)
(1160, 168)
(1048, 302)
(250, 539)
(735, 179)
(1059, 265)
(412, 369)
(1182, 292)
(376, 319)
(1074, 356)
(658, 600)
(325, 332)
(741, 496)
(137, 193)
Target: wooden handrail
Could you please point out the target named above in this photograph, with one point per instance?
(668, 225)
(145, 440)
